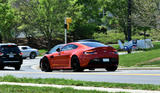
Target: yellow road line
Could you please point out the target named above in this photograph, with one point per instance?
(83, 73)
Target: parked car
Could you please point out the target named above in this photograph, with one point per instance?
(28, 52)
(10, 55)
(52, 50)
(81, 55)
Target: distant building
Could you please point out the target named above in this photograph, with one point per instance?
(21, 35)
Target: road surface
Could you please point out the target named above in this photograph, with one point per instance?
(30, 69)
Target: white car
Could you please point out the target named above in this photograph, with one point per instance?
(28, 52)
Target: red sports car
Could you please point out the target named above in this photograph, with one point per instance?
(81, 55)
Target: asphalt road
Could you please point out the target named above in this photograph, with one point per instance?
(30, 69)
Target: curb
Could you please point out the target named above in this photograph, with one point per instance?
(36, 67)
(80, 87)
(140, 68)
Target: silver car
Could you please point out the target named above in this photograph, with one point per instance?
(28, 52)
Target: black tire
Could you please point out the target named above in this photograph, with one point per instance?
(32, 55)
(44, 65)
(76, 65)
(1, 67)
(92, 69)
(17, 67)
(111, 68)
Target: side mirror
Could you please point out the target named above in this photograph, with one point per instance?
(58, 49)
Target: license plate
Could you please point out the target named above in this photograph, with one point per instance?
(11, 55)
(105, 59)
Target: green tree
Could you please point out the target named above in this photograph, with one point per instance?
(145, 14)
(85, 15)
(6, 20)
(116, 14)
(44, 16)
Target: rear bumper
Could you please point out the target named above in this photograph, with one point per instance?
(99, 63)
(96, 61)
(10, 62)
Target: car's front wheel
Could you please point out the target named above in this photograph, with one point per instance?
(44, 65)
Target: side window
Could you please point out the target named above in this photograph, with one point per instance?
(24, 48)
(54, 49)
(69, 47)
(74, 46)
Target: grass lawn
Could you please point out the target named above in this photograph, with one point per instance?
(150, 57)
(42, 52)
(79, 83)
(25, 89)
(137, 59)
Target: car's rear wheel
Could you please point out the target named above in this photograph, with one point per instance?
(32, 55)
(76, 65)
(17, 67)
(111, 68)
(1, 67)
(44, 65)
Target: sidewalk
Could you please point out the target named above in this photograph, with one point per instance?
(139, 68)
(123, 53)
(80, 87)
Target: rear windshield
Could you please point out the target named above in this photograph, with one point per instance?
(93, 44)
(9, 48)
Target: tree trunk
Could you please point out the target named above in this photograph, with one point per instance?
(129, 19)
(0, 38)
(126, 34)
(49, 45)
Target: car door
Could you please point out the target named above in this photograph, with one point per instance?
(62, 58)
(24, 51)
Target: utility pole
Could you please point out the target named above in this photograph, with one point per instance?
(65, 31)
(67, 21)
(129, 28)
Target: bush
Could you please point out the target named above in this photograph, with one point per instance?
(155, 34)
(109, 38)
(137, 37)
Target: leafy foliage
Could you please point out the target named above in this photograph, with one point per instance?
(45, 18)
(110, 37)
(6, 20)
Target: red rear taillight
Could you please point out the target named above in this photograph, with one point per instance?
(115, 52)
(21, 53)
(9, 45)
(90, 52)
(1, 54)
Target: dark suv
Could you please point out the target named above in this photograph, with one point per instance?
(10, 55)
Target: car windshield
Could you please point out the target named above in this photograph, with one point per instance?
(10, 49)
(54, 48)
(93, 44)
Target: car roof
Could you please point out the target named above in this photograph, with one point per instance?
(3, 44)
(87, 40)
(23, 46)
(83, 42)
(60, 45)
